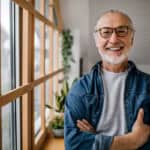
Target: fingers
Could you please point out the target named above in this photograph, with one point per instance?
(84, 125)
(140, 115)
(87, 123)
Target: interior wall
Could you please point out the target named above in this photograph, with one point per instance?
(81, 17)
(75, 15)
(139, 12)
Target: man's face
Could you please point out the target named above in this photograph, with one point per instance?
(115, 38)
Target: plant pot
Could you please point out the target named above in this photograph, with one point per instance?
(58, 132)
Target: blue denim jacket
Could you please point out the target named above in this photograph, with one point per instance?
(85, 100)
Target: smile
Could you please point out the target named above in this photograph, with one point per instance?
(115, 48)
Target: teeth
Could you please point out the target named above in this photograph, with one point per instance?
(119, 47)
(114, 48)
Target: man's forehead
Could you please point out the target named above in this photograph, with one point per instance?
(112, 19)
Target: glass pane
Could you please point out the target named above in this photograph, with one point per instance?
(60, 50)
(54, 50)
(5, 45)
(55, 17)
(37, 116)
(47, 7)
(37, 49)
(17, 46)
(11, 126)
(18, 124)
(6, 75)
(37, 5)
(61, 75)
(47, 91)
(55, 67)
(47, 111)
(6, 128)
(47, 47)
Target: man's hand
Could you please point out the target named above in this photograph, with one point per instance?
(85, 126)
(135, 139)
(141, 131)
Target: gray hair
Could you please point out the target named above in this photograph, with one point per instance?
(119, 12)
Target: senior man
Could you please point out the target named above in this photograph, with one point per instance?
(108, 108)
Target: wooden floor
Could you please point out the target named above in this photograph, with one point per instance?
(53, 143)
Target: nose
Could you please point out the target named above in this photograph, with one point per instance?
(113, 38)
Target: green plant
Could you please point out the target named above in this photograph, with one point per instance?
(67, 58)
(57, 122)
(60, 99)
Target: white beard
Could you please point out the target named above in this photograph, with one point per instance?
(114, 59)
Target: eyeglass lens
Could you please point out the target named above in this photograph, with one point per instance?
(121, 31)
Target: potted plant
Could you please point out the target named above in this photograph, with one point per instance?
(57, 126)
(57, 123)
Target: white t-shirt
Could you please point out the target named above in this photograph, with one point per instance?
(113, 121)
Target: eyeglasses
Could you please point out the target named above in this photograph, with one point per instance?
(120, 31)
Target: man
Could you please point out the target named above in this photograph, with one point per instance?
(107, 109)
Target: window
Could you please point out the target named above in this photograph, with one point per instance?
(10, 74)
(28, 51)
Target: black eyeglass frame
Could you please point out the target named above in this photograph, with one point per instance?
(115, 29)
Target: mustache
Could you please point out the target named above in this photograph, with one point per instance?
(115, 47)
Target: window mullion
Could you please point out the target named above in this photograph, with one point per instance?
(0, 89)
(42, 67)
(27, 66)
(51, 57)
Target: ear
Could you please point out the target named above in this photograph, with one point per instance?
(96, 39)
(132, 40)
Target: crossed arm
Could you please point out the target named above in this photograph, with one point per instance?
(130, 141)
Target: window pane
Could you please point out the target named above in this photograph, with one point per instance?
(5, 46)
(37, 117)
(47, 47)
(55, 17)
(47, 7)
(55, 67)
(11, 126)
(17, 46)
(6, 76)
(18, 124)
(61, 75)
(47, 84)
(55, 50)
(37, 49)
(37, 5)
(6, 128)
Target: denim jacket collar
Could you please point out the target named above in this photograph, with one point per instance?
(97, 69)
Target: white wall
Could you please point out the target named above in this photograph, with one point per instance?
(139, 12)
(81, 16)
(75, 15)
(144, 68)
